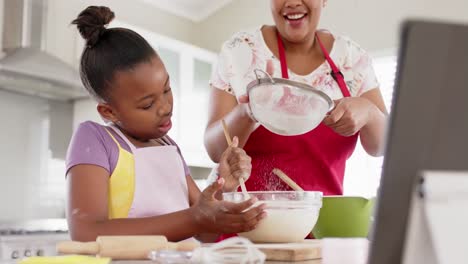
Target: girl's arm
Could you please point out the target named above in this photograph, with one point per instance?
(194, 191)
(87, 211)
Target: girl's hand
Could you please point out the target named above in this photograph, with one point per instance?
(349, 115)
(215, 216)
(234, 164)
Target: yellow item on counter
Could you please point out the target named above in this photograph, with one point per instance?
(74, 259)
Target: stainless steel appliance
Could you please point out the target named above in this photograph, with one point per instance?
(31, 238)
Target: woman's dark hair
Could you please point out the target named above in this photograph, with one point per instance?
(107, 50)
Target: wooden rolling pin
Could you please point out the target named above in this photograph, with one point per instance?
(123, 247)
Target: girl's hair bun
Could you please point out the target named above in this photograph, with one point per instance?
(92, 22)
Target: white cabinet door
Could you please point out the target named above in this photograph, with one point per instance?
(194, 108)
(172, 63)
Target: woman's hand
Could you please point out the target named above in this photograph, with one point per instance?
(234, 164)
(215, 216)
(350, 115)
(243, 100)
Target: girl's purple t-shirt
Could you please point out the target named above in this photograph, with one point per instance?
(92, 145)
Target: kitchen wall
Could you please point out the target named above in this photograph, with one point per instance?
(27, 122)
(62, 38)
(1, 24)
(24, 142)
(64, 41)
(32, 181)
(372, 23)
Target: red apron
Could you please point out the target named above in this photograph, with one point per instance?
(315, 160)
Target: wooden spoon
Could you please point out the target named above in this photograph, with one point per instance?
(287, 180)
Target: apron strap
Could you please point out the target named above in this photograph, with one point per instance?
(336, 73)
(282, 57)
(130, 145)
(113, 138)
(164, 141)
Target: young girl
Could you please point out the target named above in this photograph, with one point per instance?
(129, 178)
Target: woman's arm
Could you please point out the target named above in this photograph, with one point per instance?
(87, 212)
(224, 106)
(373, 133)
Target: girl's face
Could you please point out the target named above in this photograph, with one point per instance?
(296, 20)
(141, 101)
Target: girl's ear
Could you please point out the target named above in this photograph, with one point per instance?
(107, 112)
(325, 2)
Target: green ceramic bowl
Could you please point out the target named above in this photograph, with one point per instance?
(344, 216)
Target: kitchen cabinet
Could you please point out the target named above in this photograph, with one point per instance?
(193, 110)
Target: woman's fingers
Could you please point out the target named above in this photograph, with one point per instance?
(243, 99)
(334, 116)
(270, 67)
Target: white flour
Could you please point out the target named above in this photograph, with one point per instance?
(284, 226)
(287, 111)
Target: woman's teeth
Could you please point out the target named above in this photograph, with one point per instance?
(295, 16)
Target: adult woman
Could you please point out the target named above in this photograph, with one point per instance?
(293, 48)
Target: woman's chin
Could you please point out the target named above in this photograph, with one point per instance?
(296, 36)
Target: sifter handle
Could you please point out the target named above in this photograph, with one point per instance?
(265, 73)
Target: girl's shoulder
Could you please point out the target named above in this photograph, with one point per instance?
(92, 143)
(88, 130)
(91, 127)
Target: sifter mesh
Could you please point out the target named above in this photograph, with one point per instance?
(286, 107)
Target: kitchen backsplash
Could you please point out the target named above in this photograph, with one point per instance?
(32, 181)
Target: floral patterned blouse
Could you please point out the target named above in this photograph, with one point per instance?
(246, 51)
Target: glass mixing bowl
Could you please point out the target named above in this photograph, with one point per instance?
(291, 215)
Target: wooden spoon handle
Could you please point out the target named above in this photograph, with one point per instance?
(287, 180)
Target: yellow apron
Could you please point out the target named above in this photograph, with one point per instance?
(121, 184)
(150, 181)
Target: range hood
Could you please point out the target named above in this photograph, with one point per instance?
(26, 68)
